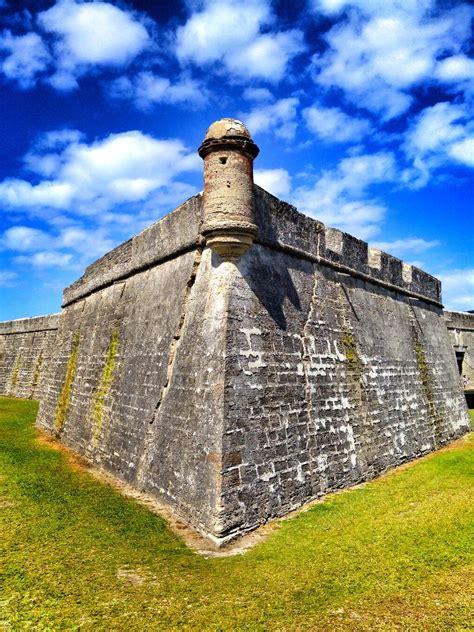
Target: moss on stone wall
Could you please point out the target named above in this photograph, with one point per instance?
(65, 395)
(105, 384)
(424, 371)
(36, 374)
(350, 350)
(15, 372)
(427, 387)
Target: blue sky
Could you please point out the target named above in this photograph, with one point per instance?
(362, 111)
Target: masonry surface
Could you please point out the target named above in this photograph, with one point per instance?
(238, 388)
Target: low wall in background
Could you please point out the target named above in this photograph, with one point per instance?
(461, 331)
(26, 348)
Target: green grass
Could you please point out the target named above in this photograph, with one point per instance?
(391, 555)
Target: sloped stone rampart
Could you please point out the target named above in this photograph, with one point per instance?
(330, 380)
(136, 383)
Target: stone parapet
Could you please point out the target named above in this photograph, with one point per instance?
(283, 226)
(171, 235)
(459, 320)
(30, 325)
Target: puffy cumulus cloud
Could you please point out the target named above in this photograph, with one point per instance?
(90, 179)
(95, 32)
(457, 68)
(221, 27)
(275, 181)
(334, 126)
(340, 197)
(16, 193)
(267, 56)
(230, 32)
(439, 134)
(278, 117)
(382, 50)
(24, 239)
(88, 35)
(147, 89)
(24, 58)
(458, 288)
(77, 38)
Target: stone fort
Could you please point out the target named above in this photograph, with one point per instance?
(238, 359)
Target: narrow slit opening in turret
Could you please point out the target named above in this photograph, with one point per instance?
(223, 160)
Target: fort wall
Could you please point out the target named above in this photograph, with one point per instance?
(237, 369)
(331, 378)
(26, 348)
(461, 331)
(137, 377)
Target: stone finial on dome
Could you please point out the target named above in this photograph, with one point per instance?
(228, 152)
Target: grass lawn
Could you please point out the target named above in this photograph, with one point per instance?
(395, 554)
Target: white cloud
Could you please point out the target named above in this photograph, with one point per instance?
(372, 7)
(408, 246)
(230, 32)
(278, 117)
(333, 125)
(92, 179)
(458, 288)
(455, 68)
(463, 151)
(17, 193)
(257, 94)
(148, 89)
(376, 56)
(220, 28)
(439, 134)
(46, 259)
(7, 278)
(28, 239)
(24, 239)
(275, 181)
(339, 197)
(88, 35)
(267, 57)
(26, 58)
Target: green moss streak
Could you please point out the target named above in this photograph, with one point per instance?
(427, 387)
(15, 372)
(65, 396)
(350, 350)
(424, 371)
(105, 384)
(36, 373)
